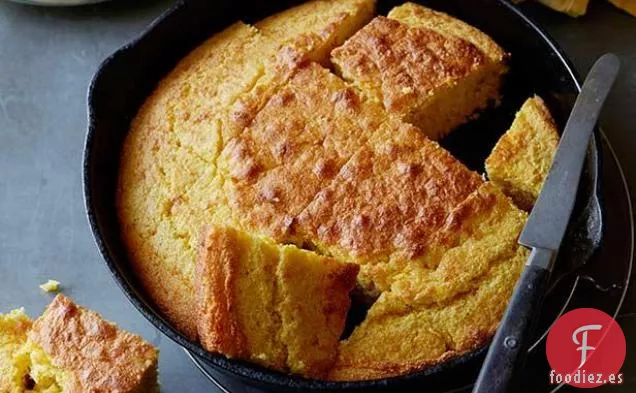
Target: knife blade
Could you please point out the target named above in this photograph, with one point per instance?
(544, 231)
(549, 218)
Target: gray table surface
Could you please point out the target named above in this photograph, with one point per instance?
(47, 57)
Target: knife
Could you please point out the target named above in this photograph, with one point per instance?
(544, 231)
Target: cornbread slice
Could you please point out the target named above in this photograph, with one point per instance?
(628, 6)
(422, 66)
(387, 202)
(571, 7)
(318, 26)
(279, 306)
(522, 157)
(448, 306)
(177, 135)
(71, 349)
(14, 327)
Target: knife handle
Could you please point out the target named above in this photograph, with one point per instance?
(510, 345)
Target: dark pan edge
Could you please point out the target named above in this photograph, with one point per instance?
(243, 370)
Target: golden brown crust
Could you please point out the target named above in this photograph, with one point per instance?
(99, 356)
(416, 15)
(522, 157)
(401, 66)
(318, 26)
(279, 306)
(248, 133)
(218, 326)
(424, 67)
(448, 306)
(388, 200)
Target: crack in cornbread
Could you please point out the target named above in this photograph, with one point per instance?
(73, 350)
(420, 66)
(279, 306)
(446, 305)
(522, 157)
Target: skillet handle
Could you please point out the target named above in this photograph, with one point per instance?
(510, 345)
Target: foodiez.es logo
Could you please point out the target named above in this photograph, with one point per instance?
(586, 348)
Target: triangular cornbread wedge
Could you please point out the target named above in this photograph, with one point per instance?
(70, 349)
(448, 305)
(522, 157)
(422, 66)
(279, 306)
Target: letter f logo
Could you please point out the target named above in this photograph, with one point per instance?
(583, 344)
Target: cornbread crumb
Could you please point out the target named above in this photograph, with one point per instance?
(50, 286)
(522, 157)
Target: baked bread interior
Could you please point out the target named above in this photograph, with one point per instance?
(522, 157)
(70, 349)
(279, 306)
(14, 327)
(428, 68)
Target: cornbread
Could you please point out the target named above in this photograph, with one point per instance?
(70, 350)
(628, 6)
(571, 7)
(279, 306)
(523, 156)
(14, 327)
(449, 305)
(426, 67)
(175, 139)
(256, 182)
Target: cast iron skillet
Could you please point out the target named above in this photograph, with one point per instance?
(126, 78)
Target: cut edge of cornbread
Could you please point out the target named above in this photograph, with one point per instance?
(279, 306)
(449, 308)
(522, 157)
